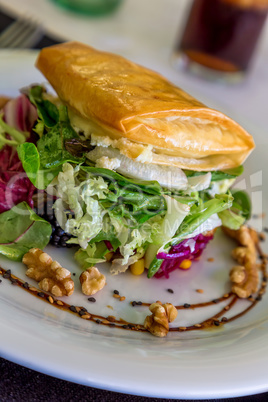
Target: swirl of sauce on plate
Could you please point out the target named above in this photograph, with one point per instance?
(217, 320)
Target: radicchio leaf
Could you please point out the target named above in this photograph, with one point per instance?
(20, 113)
(15, 186)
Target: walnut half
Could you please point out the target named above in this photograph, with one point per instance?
(92, 281)
(52, 277)
(158, 322)
(245, 276)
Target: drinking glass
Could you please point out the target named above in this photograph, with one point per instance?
(220, 37)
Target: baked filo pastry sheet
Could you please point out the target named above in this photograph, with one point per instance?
(139, 110)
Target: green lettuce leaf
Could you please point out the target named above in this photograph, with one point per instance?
(127, 199)
(199, 214)
(21, 230)
(149, 187)
(241, 203)
(108, 234)
(30, 158)
(239, 212)
(218, 175)
(43, 162)
(93, 254)
(231, 220)
(47, 112)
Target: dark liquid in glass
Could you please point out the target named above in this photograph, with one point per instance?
(222, 36)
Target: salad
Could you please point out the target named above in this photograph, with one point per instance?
(104, 212)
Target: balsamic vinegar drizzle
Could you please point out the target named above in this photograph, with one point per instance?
(217, 320)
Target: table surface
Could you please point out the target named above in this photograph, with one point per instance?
(149, 35)
(20, 384)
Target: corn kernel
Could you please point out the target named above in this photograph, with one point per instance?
(186, 264)
(138, 267)
(109, 256)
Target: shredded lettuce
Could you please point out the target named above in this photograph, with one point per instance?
(83, 199)
(104, 210)
(138, 219)
(93, 254)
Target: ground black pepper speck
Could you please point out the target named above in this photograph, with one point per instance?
(7, 274)
(92, 299)
(255, 216)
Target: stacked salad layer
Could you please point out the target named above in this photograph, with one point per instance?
(102, 210)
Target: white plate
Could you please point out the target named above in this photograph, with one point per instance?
(225, 362)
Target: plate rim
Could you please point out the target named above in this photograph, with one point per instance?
(218, 390)
(21, 358)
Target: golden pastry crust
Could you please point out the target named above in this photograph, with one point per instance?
(121, 99)
(3, 101)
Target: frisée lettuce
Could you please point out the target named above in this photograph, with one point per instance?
(143, 222)
(102, 207)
